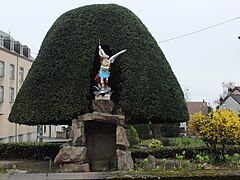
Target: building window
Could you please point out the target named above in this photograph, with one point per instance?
(11, 94)
(21, 74)
(21, 50)
(20, 138)
(11, 73)
(11, 139)
(1, 69)
(1, 41)
(50, 131)
(1, 93)
(44, 129)
(12, 46)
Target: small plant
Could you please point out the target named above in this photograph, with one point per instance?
(233, 160)
(157, 168)
(237, 159)
(155, 143)
(145, 162)
(199, 166)
(187, 164)
(179, 158)
(9, 171)
(174, 168)
(142, 164)
(164, 162)
(228, 158)
(201, 159)
(13, 170)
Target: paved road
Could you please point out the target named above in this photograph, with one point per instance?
(56, 176)
(221, 175)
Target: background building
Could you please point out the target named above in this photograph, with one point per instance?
(194, 107)
(232, 100)
(15, 62)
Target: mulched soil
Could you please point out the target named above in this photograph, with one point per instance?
(29, 166)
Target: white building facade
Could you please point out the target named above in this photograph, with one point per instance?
(15, 62)
(232, 100)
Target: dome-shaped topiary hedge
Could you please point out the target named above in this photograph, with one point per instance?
(59, 84)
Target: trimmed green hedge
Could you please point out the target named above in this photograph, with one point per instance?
(59, 85)
(38, 151)
(29, 151)
(171, 151)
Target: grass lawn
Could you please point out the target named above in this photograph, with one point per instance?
(176, 141)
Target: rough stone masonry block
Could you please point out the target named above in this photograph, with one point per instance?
(68, 154)
(70, 167)
(121, 138)
(78, 133)
(102, 117)
(102, 106)
(124, 160)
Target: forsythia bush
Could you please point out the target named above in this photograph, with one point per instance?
(218, 129)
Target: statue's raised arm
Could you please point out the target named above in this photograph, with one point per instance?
(101, 52)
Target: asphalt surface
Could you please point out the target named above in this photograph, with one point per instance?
(56, 176)
(218, 175)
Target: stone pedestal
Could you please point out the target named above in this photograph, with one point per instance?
(125, 162)
(78, 133)
(75, 167)
(69, 154)
(72, 159)
(106, 97)
(99, 142)
(102, 106)
(121, 138)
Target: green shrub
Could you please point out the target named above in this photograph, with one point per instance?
(165, 130)
(143, 130)
(59, 85)
(218, 129)
(170, 152)
(132, 136)
(155, 143)
(181, 141)
(32, 151)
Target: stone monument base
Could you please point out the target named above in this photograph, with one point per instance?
(99, 142)
(103, 97)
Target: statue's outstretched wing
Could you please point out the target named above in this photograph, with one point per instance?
(116, 55)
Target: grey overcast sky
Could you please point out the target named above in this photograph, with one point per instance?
(201, 62)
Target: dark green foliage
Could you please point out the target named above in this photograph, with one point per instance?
(143, 130)
(181, 141)
(170, 152)
(31, 151)
(58, 87)
(132, 136)
(158, 130)
(165, 130)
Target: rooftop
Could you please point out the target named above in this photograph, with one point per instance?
(8, 43)
(236, 97)
(195, 107)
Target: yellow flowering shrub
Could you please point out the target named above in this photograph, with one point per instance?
(218, 128)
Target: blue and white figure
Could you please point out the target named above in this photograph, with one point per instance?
(104, 71)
